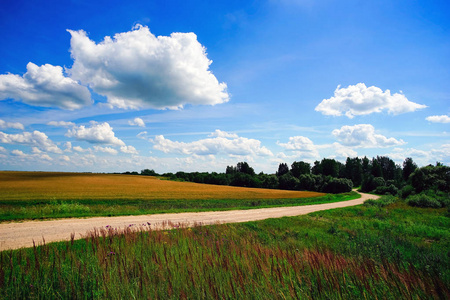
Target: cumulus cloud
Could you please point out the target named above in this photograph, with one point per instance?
(105, 150)
(356, 100)
(44, 86)
(223, 134)
(439, 119)
(128, 149)
(34, 139)
(137, 69)
(137, 122)
(80, 149)
(364, 136)
(232, 145)
(98, 133)
(60, 124)
(301, 147)
(15, 125)
(2, 149)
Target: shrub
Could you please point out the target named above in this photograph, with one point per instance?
(381, 202)
(406, 191)
(423, 200)
(383, 190)
(338, 185)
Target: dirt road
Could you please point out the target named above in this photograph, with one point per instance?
(18, 235)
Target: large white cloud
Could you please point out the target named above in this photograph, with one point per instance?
(44, 86)
(358, 100)
(137, 69)
(439, 119)
(364, 136)
(15, 125)
(98, 133)
(34, 139)
(227, 144)
(301, 146)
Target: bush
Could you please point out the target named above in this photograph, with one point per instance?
(381, 202)
(406, 191)
(383, 190)
(338, 185)
(422, 200)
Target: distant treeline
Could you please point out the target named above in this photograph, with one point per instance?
(379, 175)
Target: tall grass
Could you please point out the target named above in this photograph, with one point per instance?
(288, 258)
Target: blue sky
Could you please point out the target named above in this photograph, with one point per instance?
(113, 86)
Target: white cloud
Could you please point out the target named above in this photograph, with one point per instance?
(233, 146)
(137, 122)
(15, 125)
(128, 149)
(60, 124)
(342, 152)
(422, 157)
(98, 133)
(301, 146)
(80, 149)
(358, 100)
(16, 152)
(439, 119)
(44, 86)
(35, 139)
(105, 150)
(137, 69)
(2, 149)
(223, 134)
(364, 136)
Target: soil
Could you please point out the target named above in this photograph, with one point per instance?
(19, 235)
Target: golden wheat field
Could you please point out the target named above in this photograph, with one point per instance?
(70, 186)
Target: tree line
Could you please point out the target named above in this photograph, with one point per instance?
(380, 175)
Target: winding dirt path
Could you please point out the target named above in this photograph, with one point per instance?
(19, 235)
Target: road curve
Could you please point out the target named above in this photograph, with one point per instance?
(19, 235)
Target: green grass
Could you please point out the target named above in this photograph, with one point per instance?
(16, 210)
(389, 252)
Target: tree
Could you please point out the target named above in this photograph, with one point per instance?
(282, 169)
(409, 166)
(288, 182)
(354, 170)
(148, 172)
(243, 167)
(300, 168)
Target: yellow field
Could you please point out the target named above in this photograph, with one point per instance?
(68, 186)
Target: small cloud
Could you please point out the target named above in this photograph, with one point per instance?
(137, 122)
(34, 139)
(60, 124)
(44, 86)
(438, 119)
(364, 136)
(105, 150)
(129, 150)
(220, 133)
(15, 125)
(301, 147)
(356, 100)
(16, 152)
(98, 133)
(80, 149)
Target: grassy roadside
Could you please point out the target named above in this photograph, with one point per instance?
(368, 251)
(18, 210)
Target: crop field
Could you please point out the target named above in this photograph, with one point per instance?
(45, 195)
(74, 186)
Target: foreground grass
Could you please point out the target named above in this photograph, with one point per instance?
(38, 209)
(353, 253)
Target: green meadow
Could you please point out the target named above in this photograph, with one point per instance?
(383, 249)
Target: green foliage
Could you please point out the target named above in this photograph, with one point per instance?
(383, 190)
(407, 190)
(338, 185)
(423, 200)
(382, 201)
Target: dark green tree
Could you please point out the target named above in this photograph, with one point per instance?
(299, 168)
(409, 166)
(282, 169)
